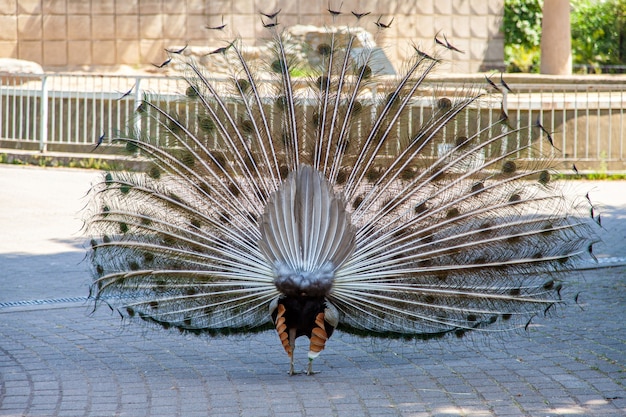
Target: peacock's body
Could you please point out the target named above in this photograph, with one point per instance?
(324, 203)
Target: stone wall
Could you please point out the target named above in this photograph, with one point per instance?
(88, 34)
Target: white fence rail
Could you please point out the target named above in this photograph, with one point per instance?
(70, 111)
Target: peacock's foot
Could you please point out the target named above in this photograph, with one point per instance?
(309, 370)
(292, 370)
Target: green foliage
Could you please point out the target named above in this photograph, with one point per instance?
(522, 22)
(520, 58)
(522, 34)
(48, 161)
(92, 163)
(598, 33)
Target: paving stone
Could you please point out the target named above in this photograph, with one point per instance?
(58, 360)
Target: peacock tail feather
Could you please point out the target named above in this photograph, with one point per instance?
(333, 185)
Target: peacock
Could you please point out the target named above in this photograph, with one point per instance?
(314, 198)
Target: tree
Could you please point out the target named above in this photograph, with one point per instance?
(599, 33)
(522, 34)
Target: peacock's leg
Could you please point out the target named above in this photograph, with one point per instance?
(309, 370)
(292, 349)
(291, 367)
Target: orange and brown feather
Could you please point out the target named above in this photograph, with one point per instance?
(281, 327)
(319, 334)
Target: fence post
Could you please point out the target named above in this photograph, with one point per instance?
(138, 102)
(505, 109)
(43, 131)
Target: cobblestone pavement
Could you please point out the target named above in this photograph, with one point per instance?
(58, 360)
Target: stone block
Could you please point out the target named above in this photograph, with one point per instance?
(269, 6)
(425, 8)
(79, 27)
(480, 27)
(8, 7)
(461, 7)
(151, 26)
(404, 8)
(55, 6)
(245, 25)
(29, 6)
(496, 7)
(462, 26)
(290, 7)
(127, 52)
(174, 7)
(289, 20)
(463, 44)
(150, 6)
(361, 6)
(79, 52)
(8, 48)
(127, 6)
(249, 7)
(441, 23)
(30, 51)
(79, 6)
(126, 27)
(494, 24)
(151, 52)
(347, 6)
(8, 28)
(424, 26)
(102, 27)
(199, 7)
(54, 28)
(307, 7)
(313, 19)
(174, 26)
(408, 23)
(196, 30)
(29, 27)
(103, 53)
(103, 7)
(443, 7)
(55, 53)
(479, 7)
(477, 51)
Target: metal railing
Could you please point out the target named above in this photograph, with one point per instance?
(70, 112)
(587, 121)
(52, 109)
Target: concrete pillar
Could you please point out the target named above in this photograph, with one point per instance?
(556, 40)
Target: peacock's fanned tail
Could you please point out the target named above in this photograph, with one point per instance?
(412, 223)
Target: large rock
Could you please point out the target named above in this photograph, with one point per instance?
(303, 44)
(17, 71)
